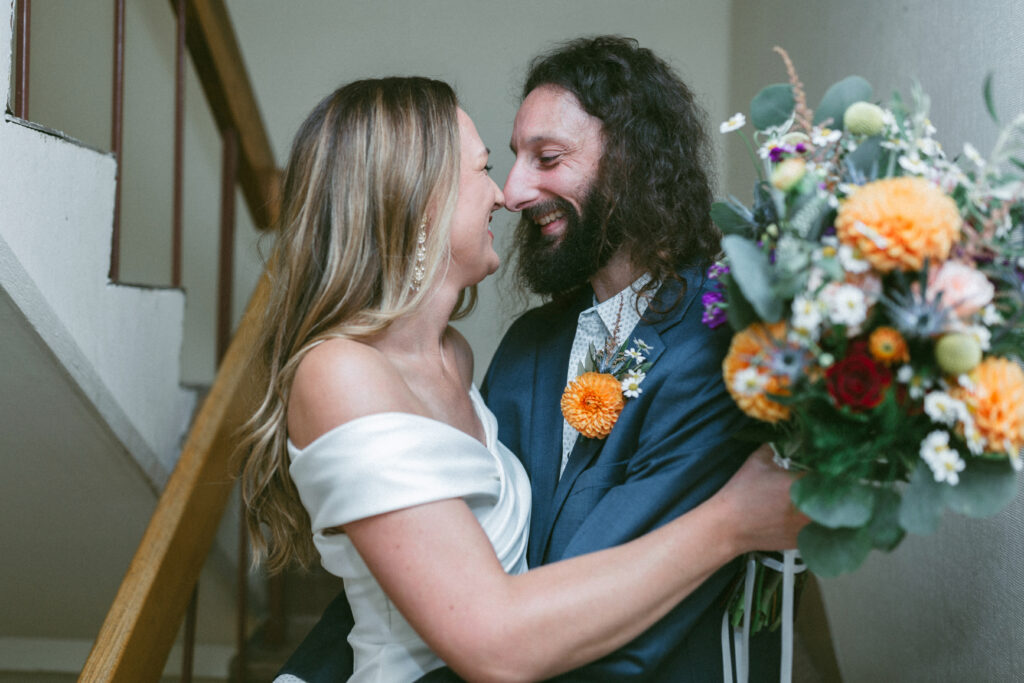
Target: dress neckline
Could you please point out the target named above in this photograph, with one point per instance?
(486, 419)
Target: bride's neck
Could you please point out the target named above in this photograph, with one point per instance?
(421, 333)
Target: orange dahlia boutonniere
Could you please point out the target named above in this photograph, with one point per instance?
(592, 402)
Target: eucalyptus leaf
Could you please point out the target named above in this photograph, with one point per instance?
(923, 502)
(810, 217)
(862, 164)
(840, 96)
(833, 502)
(750, 269)
(989, 102)
(731, 219)
(884, 528)
(831, 552)
(741, 314)
(984, 489)
(772, 106)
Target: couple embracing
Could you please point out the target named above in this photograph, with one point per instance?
(478, 533)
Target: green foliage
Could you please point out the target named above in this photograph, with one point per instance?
(884, 528)
(840, 96)
(922, 504)
(732, 217)
(772, 106)
(831, 552)
(741, 314)
(752, 272)
(985, 488)
(986, 92)
(833, 502)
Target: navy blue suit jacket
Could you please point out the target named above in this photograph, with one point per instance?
(671, 449)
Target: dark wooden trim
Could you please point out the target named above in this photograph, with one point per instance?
(117, 136)
(177, 219)
(23, 22)
(221, 70)
(226, 261)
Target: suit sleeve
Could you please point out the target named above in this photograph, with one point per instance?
(682, 451)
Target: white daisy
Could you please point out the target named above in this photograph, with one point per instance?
(975, 441)
(945, 463)
(972, 153)
(944, 409)
(914, 165)
(735, 122)
(846, 304)
(991, 316)
(634, 355)
(631, 384)
(749, 382)
(851, 262)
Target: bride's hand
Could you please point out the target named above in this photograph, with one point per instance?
(757, 498)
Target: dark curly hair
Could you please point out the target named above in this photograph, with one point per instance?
(654, 172)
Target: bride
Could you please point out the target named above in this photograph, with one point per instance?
(373, 452)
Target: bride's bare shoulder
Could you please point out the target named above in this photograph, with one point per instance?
(340, 380)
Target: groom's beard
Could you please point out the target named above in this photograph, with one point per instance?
(549, 266)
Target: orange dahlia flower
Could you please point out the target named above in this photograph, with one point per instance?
(888, 346)
(997, 402)
(592, 402)
(896, 223)
(749, 349)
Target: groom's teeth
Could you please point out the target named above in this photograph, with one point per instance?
(553, 216)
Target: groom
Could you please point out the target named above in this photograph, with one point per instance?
(611, 181)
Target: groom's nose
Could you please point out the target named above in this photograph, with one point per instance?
(520, 187)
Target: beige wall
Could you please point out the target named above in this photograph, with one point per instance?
(482, 48)
(70, 82)
(948, 607)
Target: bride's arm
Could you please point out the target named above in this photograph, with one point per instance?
(439, 568)
(437, 565)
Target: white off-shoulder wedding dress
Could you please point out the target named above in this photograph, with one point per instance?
(390, 461)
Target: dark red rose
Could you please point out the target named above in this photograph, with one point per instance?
(857, 381)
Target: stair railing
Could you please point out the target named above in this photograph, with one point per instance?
(159, 587)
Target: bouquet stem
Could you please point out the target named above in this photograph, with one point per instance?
(758, 603)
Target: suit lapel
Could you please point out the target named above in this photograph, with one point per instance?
(554, 492)
(545, 438)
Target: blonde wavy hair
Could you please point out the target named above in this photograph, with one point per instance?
(370, 164)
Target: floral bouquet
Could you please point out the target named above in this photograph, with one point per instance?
(876, 290)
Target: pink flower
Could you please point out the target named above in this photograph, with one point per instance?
(964, 289)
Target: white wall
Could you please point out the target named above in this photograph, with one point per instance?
(71, 77)
(948, 607)
(482, 47)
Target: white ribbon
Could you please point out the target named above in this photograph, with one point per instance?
(790, 566)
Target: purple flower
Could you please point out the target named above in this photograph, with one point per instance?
(801, 148)
(717, 270)
(714, 309)
(776, 154)
(711, 298)
(714, 317)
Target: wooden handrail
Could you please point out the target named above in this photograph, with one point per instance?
(218, 62)
(143, 620)
(147, 611)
